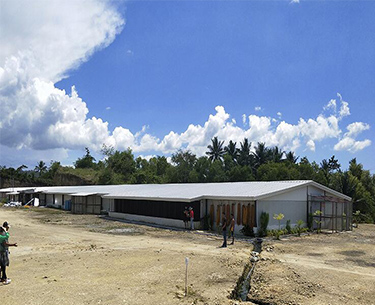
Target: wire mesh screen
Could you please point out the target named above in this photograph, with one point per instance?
(330, 213)
(162, 209)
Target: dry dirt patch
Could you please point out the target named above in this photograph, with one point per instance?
(84, 259)
(76, 259)
(318, 269)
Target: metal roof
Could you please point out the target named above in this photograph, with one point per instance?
(84, 194)
(254, 190)
(16, 189)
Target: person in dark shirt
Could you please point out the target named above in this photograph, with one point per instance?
(224, 228)
(231, 229)
(186, 217)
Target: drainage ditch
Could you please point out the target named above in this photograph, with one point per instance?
(243, 285)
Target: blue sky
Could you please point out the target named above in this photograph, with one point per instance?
(157, 76)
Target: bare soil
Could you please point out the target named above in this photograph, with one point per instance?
(86, 259)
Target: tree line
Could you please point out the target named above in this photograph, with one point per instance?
(231, 163)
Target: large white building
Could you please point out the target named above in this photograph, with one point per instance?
(164, 203)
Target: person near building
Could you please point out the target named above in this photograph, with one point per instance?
(191, 218)
(231, 228)
(224, 229)
(186, 217)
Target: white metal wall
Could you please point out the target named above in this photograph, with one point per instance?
(107, 204)
(58, 200)
(49, 199)
(292, 204)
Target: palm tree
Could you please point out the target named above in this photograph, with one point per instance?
(216, 150)
(276, 154)
(244, 156)
(348, 184)
(291, 157)
(355, 168)
(40, 168)
(231, 150)
(261, 154)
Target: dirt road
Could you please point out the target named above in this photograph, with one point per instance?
(83, 259)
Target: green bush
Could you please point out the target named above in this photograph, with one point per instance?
(288, 228)
(247, 231)
(264, 219)
(276, 233)
(310, 222)
(206, 222)
(299, 228)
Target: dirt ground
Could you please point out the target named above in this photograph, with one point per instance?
(85, 259)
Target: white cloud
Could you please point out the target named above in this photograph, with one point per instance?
(244, 118)
(52, 37)
(344, 109)
(108, 108)
(41, 42)
(349, 143)
(320, 128)
(257, 108)
(331, 105)
(294, 1)
(310, 144)
(356, 128)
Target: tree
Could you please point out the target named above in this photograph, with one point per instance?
(355, 168)
(306, 170)
(122, 163)
(107, 151)
(201, 170)
(244, 156)
(184, 162)
(216, 172)
(277, 171)
(52, 169)
(345, 183)
(261, 154)
(333, 164)
(328, 168)
(232, 150)
(87, 161)
(291, 157)
(216, 150)
(240, 173)
(276, 154)
(41, 168)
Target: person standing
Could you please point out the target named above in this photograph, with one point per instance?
(224, 228)
(191, 218)
(186, 217)
(4, 253)
(231, 228)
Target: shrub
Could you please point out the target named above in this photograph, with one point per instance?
(317, 220)
(310, 221)
(278, 217)
(206, 222)
(275, 233)
(247, 231)
(299, 225)
(264, 219)
(288, 228)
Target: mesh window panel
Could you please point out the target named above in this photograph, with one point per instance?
(162, 209)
